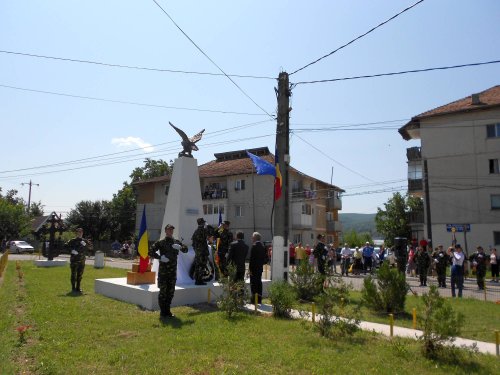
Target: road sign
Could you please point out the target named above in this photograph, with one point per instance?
(458, 227)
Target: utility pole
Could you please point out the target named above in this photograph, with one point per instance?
(29, 195)
(279, 270)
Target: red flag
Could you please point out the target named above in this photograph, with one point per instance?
(277, 178)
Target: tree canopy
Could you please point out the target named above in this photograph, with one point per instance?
(393, 221)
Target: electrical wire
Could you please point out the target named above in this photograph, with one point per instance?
(357, 38)
(127, 102)
(212, 61)
(100, 63)
(398, 73)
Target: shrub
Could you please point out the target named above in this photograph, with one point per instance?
(440, 323)
(306, 282)
(337, 319)
(282, 296)
(388, 294)
(234, 293)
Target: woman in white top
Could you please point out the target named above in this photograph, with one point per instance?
(457, 269)
(494, 265)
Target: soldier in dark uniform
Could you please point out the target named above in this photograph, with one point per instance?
(225, 239)
(166, 250)
(200, 246)
(256, 266)
(423, 263)
(441, 260)
(479, 261)
(238, 251)
(78, 247)
(320, 253)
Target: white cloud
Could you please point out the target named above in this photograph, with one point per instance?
(132, 141)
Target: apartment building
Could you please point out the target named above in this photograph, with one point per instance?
(229, 185)
(456, 171)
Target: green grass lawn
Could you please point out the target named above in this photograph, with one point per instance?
(93, 334)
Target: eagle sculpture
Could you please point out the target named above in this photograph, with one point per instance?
(188, 144)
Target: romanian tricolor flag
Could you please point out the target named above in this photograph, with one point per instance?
(277, 177)
(143, 244)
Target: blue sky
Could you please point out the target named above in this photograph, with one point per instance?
(258, 38)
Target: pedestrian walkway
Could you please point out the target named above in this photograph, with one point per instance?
(385, 329)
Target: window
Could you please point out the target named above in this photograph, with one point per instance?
(208, 209)
(306, 209)
(496, 238)
(218, 208)
(495, 201)
(329, 216)
(493, 130)
(494, 166)
(297, 238)
(414, 171)
(238, 211)
(239, 185)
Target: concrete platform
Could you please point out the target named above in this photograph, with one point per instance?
(146, 295)
(50, 263)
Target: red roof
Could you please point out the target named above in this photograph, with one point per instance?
(475, 102)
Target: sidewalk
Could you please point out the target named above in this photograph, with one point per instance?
(385, 329)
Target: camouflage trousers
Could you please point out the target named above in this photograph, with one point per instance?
(77, 269)
(200, 266)
(166, 284)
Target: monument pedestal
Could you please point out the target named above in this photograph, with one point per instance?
(50, 263)
(134, 277)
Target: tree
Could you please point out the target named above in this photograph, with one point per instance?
(353, 238)
(14, 222)
(92, 217)
(123, 207)
(36, 209)
(152, 168)
(394, 220)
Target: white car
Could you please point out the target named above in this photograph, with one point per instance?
(21, 247)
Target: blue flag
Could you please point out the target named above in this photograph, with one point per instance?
(262, 166)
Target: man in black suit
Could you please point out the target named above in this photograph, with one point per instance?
(257, 261)
(237, 255)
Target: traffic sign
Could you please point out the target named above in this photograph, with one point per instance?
(458, 228)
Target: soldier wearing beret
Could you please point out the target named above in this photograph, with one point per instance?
(166, 251)
(78, 247)
(225, 239)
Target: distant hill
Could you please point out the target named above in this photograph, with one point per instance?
(359, 222)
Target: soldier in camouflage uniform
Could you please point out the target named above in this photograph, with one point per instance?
(479, 259)
(200, 246)
(225, 239)
(78, 247)
(441, 260)
(166, 250)
(423, 263)
(320, 253)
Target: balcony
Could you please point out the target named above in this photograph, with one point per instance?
(416, 217)
(333, 203)
(415, 185)
(214, 194)
(413, 154)
(333, 226)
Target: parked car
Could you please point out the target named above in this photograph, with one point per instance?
(21, 247)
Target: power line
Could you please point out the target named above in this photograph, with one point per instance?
(100, 63)
(127, 102)
(132, 159)
(399, 73)
(212, 61)
(104, 157)
(357, 38)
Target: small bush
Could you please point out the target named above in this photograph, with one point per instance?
(440, 323)
(282, 296)
(234, 293)
(337, 319)
(307, 283)
(388, 294)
